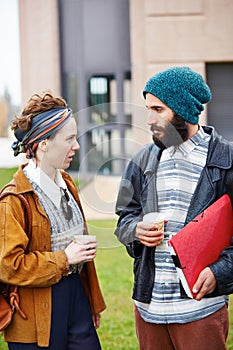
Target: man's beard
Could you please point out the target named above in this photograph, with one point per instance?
(175, 133)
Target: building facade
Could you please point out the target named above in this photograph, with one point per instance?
(196, 33)
(99, 54)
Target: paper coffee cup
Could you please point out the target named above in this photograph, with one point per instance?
(85, 239)
(155, 218)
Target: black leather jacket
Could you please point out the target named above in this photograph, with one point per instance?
(138, 196)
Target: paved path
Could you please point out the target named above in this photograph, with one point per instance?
(7, 158)
(99, 196)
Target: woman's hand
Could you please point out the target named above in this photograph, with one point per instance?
(96, 320)
(148, 234)
(77, 253)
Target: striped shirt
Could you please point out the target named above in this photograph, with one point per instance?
(177, 176)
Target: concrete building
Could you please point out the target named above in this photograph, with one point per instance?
(196, 33)
(98, 53)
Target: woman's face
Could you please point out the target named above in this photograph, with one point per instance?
(61, 148)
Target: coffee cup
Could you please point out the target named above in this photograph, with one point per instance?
(155, 218)
(85, 239)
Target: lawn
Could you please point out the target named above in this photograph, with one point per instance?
(5, 176)
(114, 269)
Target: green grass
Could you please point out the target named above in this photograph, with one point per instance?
(114, 268)
(230, 335)
(6, 176)
(3, 345)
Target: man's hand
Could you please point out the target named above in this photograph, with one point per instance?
(205, 284)
(148, 234)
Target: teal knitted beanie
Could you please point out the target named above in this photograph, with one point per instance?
(181, 89)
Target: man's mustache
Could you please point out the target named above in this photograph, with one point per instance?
(156, 128)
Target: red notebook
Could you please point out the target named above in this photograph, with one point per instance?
(201, 241)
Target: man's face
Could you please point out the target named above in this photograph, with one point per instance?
(168, 129)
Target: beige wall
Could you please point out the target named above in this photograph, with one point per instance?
(165, 33)
(39, 44)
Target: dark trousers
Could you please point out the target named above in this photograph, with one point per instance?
(207, 333)
(72, 326)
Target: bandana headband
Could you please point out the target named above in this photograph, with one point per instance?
(43, 125)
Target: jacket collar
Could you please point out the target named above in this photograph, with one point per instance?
(154, 154)
(21, 181)
(23, 185)
(220, 152)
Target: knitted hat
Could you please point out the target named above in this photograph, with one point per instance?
(181, 89)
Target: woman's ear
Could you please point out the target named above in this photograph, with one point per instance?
(43, 145)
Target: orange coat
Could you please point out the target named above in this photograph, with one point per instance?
(36, 272)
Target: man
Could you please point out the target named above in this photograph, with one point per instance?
(186, 169)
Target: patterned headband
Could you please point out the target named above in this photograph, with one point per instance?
(43, 125)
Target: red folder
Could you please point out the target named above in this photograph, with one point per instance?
(201, 241)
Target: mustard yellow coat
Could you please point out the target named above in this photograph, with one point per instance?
(37, 271)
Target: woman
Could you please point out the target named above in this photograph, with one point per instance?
(59, 290)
